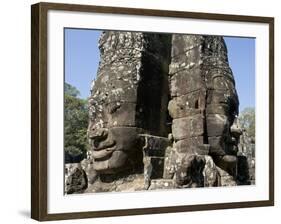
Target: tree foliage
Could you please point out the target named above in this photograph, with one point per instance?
(75, 125)
(71, 90)
(247, 121)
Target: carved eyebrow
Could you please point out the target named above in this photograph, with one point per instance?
(113, 108)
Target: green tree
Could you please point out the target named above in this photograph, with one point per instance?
(71, 90)
(75, 125)
(247, 121)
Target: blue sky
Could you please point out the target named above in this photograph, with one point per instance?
(82, 58)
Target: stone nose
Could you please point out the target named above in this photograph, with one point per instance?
(236, 130)
(98, 134)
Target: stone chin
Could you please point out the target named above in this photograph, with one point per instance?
(118, 151)
(116, 162)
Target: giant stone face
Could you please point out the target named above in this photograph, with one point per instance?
(126, 96)
(177, 90)
(204, 102)
(112, 128)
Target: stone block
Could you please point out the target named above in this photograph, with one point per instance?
(154, 145)
(170, 163)
(217, 125)
(162, 184)
(186, 60)
(210, 173)
(225, 179)
(75, 178)
(193, 145)
(119, 71)
(185, 81)
(186, 105)
(190, 173)
(222, 97)
(188, 127)
(115, 90)
(217, 145)
(182, 43)
(217, 109)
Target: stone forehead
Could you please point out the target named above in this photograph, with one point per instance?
(132, 43)
(108, 90)
(216, 44)
(211, 44)
(112, 40)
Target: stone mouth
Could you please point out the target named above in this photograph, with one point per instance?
(100, 154)
(103, 145)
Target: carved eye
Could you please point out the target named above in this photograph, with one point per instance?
(220, 83)
(114, 108)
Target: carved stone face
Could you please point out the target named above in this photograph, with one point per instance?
(112, 132)
(221, 110)
(125, 98)
(112, 127)
(115, 148)
(235, 132)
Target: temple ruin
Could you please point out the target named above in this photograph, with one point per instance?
(162, 115)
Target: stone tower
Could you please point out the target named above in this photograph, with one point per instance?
(161, 114)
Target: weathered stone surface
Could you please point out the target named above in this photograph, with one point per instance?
(246, 159)
(75, 178)
(190, 59)
(124, 183)
(197, 171)
(222, 82)
(217, 145)
(162, 115)
(116, 114)
(214, 48)
(154, 146)
(170, 163)
(188, 127)
(115, 149)
(218, 102)
(87, 166)
(193, 145)
(185, 81)
(162, 184)
(190, 172)
(114, 91)
(227, 162)
(217, 109)
(182, 43)
(217, 125)
(186, 105)
(154, 151)
(210, 173)
(186, 52)
(125, 114)
(221, 97)
(225, 179)
(129, 98)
